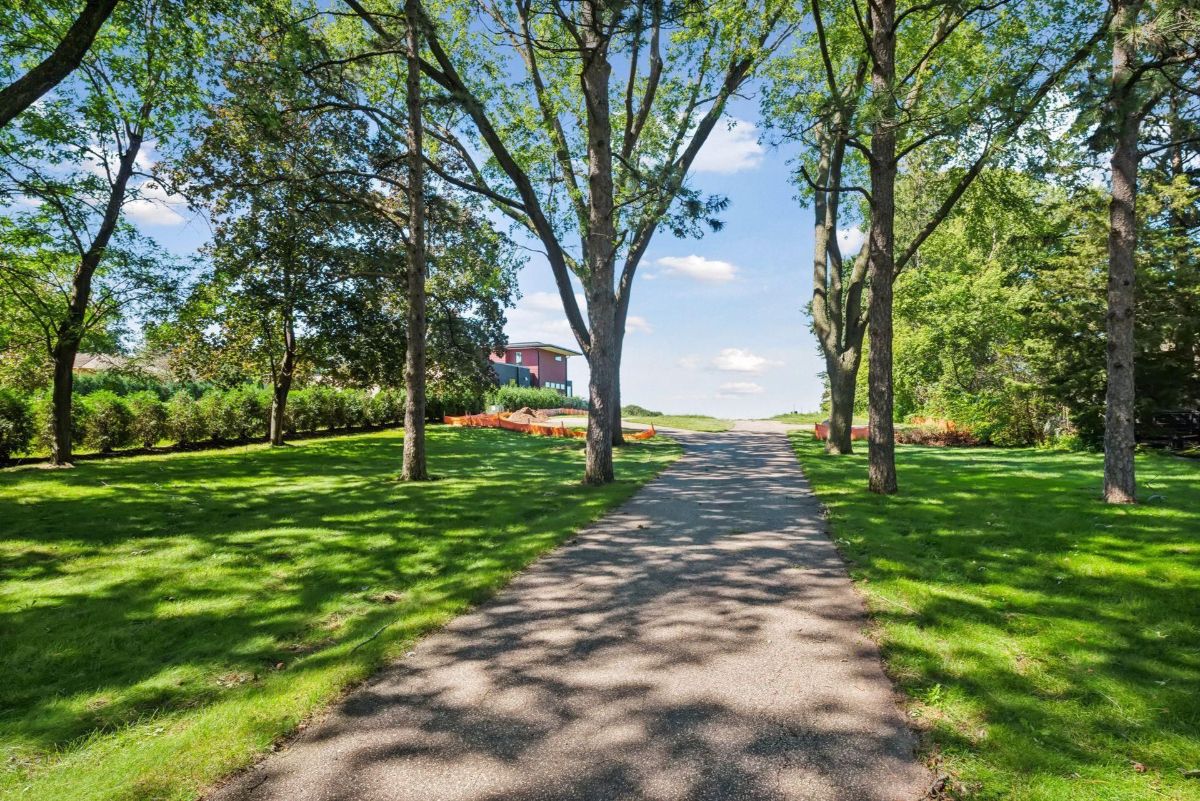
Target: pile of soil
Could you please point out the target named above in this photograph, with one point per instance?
(527, 415)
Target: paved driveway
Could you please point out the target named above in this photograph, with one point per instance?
(703, 642)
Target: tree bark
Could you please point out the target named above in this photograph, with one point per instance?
(283, 384)
(71, 330)
(1119, 479)
(24, 92)
(600, 245)
(618, 436)
(843, 375)
(881, 444)
(415, 468)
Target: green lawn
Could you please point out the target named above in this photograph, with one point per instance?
(1050, 644)
(165, 618)
(801, 418)
(690, 422)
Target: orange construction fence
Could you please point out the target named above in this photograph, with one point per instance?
(537, 429)
(821, 432)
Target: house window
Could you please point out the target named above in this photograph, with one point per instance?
(518, 357)
(558, 358)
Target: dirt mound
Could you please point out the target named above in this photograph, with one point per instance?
(527, 415)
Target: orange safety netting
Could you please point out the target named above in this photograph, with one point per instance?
(537, 429)
(821, 431)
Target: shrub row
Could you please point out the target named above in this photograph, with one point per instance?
(511, 397)
(105, 421)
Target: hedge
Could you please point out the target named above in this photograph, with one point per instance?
(511, 397)
(16, 424)
(104, 420)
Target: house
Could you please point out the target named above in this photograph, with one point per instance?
(534, 364)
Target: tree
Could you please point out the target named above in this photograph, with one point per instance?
(77, 158)
(313, 254)
(415, 468)
(561, 110)
(1172, 35)
(952, 86)
(58, 64)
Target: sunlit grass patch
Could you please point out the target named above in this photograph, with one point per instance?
(1049, 643)
(164, 618)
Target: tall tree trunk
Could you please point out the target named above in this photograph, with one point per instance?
(415, 468)
(283, 384)
(1119, 483)
(881, 470)
(71, 330)
(600, 246)
(602, 392)
(23, 92)
(618, 436)
(843, 381)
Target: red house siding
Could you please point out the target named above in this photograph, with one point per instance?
(544, 365)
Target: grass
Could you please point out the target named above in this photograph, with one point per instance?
(690, 422)
(801, 418)
(1049, 644)
(164, 619)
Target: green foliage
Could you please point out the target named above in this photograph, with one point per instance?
(1046, 640)
(511, 397)
(149, 417)
(108, 421)
(633, 410)
(247, 412)
(999, 322)
(185, 423)
(16, 424)
(127, 383)
(42, 410)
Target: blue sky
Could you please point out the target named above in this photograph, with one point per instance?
(717, 325)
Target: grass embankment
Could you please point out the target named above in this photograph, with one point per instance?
(165, 618)
(689, 422)
(1050, 644)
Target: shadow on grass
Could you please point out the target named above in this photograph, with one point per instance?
(144, 587)
(1051, 641)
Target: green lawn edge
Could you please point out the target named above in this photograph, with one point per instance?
(178, 748)
(687, 422)
(1048, 644)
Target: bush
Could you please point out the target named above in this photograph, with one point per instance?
(354, 404)
(149, 422)
(328, 408)
(185, 420)
(510, 398)
(41, 408)
(381, 407)
(16, 424)
(302, 413)
(246, 413)
(941, 434)
(633, 410)
(108, 421)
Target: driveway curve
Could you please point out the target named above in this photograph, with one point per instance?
(701, 642)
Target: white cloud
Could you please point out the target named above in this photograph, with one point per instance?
(698, 268)
(154, 206)
(737, 360)
(737, 388)
(731, 147)
(638, 324)
(851, 240)
(539, 317)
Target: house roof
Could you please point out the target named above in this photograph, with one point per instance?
(98, 361)
(542, 346)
